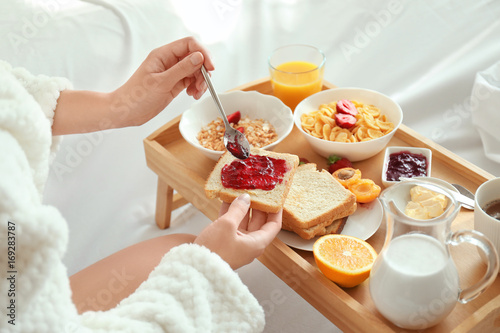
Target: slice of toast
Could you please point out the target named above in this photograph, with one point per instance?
(270, 201)
(326, 228)
(316, 198)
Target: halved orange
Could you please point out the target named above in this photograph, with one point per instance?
(345, 260)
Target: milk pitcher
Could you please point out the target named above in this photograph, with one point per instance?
(414, 282)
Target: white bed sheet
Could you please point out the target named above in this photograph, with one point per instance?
(425, 54)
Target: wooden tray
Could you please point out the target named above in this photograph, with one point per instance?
(181, 167)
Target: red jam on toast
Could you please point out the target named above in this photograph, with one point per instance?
(255, 172)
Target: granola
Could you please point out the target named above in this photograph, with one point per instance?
(258, 132)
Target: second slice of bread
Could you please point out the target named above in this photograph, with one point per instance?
(324, 228)
(316, 198)
(270, 201)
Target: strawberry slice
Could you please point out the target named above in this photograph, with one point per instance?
(234, 117)
(347, 107)
(303, 160)
(241, 129)
(336, 162)
(345, 120)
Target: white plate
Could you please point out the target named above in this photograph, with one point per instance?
(362, 224)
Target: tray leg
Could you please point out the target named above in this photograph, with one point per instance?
(166, 202)
(164, 196)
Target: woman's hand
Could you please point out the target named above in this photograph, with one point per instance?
(238, 238)
(166, 72)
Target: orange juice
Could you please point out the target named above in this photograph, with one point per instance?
(295, 80)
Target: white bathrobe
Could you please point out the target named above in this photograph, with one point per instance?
(191, 290)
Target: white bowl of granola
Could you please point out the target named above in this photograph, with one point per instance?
(264, 120)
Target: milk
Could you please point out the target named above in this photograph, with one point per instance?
(416, 283)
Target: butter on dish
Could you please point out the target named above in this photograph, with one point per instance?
(425, 204)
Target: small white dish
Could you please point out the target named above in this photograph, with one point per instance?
(400, 194)
(396, 149)
(250, 103)
(362, 224)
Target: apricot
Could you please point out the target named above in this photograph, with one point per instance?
(365, 190)
(347, 176)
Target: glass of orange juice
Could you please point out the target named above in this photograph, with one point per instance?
(296, 72)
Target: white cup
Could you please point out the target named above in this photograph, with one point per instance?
(484, 223)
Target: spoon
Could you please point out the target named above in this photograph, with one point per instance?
(234, 141)
(465, 192)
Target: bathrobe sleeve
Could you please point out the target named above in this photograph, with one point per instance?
(191, 290)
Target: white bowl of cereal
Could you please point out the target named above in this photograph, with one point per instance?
(367, 120)
(265, 120)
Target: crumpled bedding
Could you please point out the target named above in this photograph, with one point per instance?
(485, 107)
